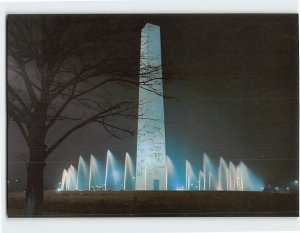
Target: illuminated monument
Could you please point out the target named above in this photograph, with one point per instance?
(151, 162)
(154, 170)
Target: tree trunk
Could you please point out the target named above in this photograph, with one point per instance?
(35, 183)
(36, 164)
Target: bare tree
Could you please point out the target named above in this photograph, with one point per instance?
(56, 63)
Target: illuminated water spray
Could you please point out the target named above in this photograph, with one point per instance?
(189, 175)
(128, 173)
(223, 175)
(69, 179)
(117, 176)
(82, 175)
(94, 173)
(228, 177)
(113, 173)
(170, 172)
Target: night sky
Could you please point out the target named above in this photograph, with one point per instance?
(233, 80)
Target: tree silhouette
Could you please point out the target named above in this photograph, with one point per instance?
(59, 64)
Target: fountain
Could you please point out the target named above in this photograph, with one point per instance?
(170, 173)
(113, 173)
(94, 174)
(208, 174)
(222, 175)
(226, 177)
(128, 173)
(69, 179)
(64, 180)
(82, 175)
(229, 177)
(189, 175)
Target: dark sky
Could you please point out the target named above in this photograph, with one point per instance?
(235, 80)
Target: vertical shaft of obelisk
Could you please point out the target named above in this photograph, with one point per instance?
(151, 150)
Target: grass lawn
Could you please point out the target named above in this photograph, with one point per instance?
(159, 203)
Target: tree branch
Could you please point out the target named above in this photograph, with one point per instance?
(82, 124)
(61, 109)
(16, 97)
(18, 121)
(106, 125)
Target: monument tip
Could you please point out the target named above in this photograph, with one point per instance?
(150, 25)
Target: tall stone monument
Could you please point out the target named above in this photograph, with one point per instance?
(151, 162)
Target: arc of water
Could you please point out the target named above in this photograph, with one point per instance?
(167, 178)
(242, 183)
(71, 178)
(223, 171)
(78, 171)
(204, 179)
(244, 176)
(189, 174)
(67, 179)
(90, 175)
(209, 179)
(219, 186)
(232, 175)
(82, 182)
(170, 172)
(204, 170)
(106, 169)
(125, 171)
(93, 171)
(202, 175)
(238, 178)
(167, 171)
(77, 181)
(128, 169)
(199, 181)
(64, 178)
(187, 187)
(227, 178)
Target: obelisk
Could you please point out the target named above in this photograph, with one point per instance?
(151, 160)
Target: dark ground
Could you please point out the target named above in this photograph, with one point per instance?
(164, 203)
